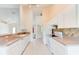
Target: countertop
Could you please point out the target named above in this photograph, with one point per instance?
(68, 40)
(6, 40)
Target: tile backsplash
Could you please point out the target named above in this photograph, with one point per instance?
(68, 32)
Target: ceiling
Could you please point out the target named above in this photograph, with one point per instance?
(41, 5)
(28, 5)
(37, 5)
(9, 5)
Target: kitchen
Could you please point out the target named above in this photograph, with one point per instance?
(20, 25)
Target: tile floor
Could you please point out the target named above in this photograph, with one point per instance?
(36, 47)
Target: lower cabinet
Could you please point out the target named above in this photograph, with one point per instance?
(57, 48)
(18, 47)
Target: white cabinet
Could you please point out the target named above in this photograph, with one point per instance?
(69, 17)
(57, 48)
(17, 48)
(60, 20)
(66, 18)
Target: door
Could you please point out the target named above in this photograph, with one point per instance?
(37, 25)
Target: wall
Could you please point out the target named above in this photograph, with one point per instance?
(9, 5)
(10, 13)
(4, 29)
(26, 17)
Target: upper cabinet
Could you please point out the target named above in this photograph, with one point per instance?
(67, 18)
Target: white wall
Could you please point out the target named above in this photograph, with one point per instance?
(9, 5)
(3, 29)
(11, 14)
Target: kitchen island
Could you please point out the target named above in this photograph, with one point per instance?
(14, 44)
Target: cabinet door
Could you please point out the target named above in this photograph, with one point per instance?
(60, 20)
(69, 17)
(25, 42)
(57, 48)
(15, 48)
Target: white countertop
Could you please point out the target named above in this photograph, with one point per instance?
(68, 40)
(9, 39)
